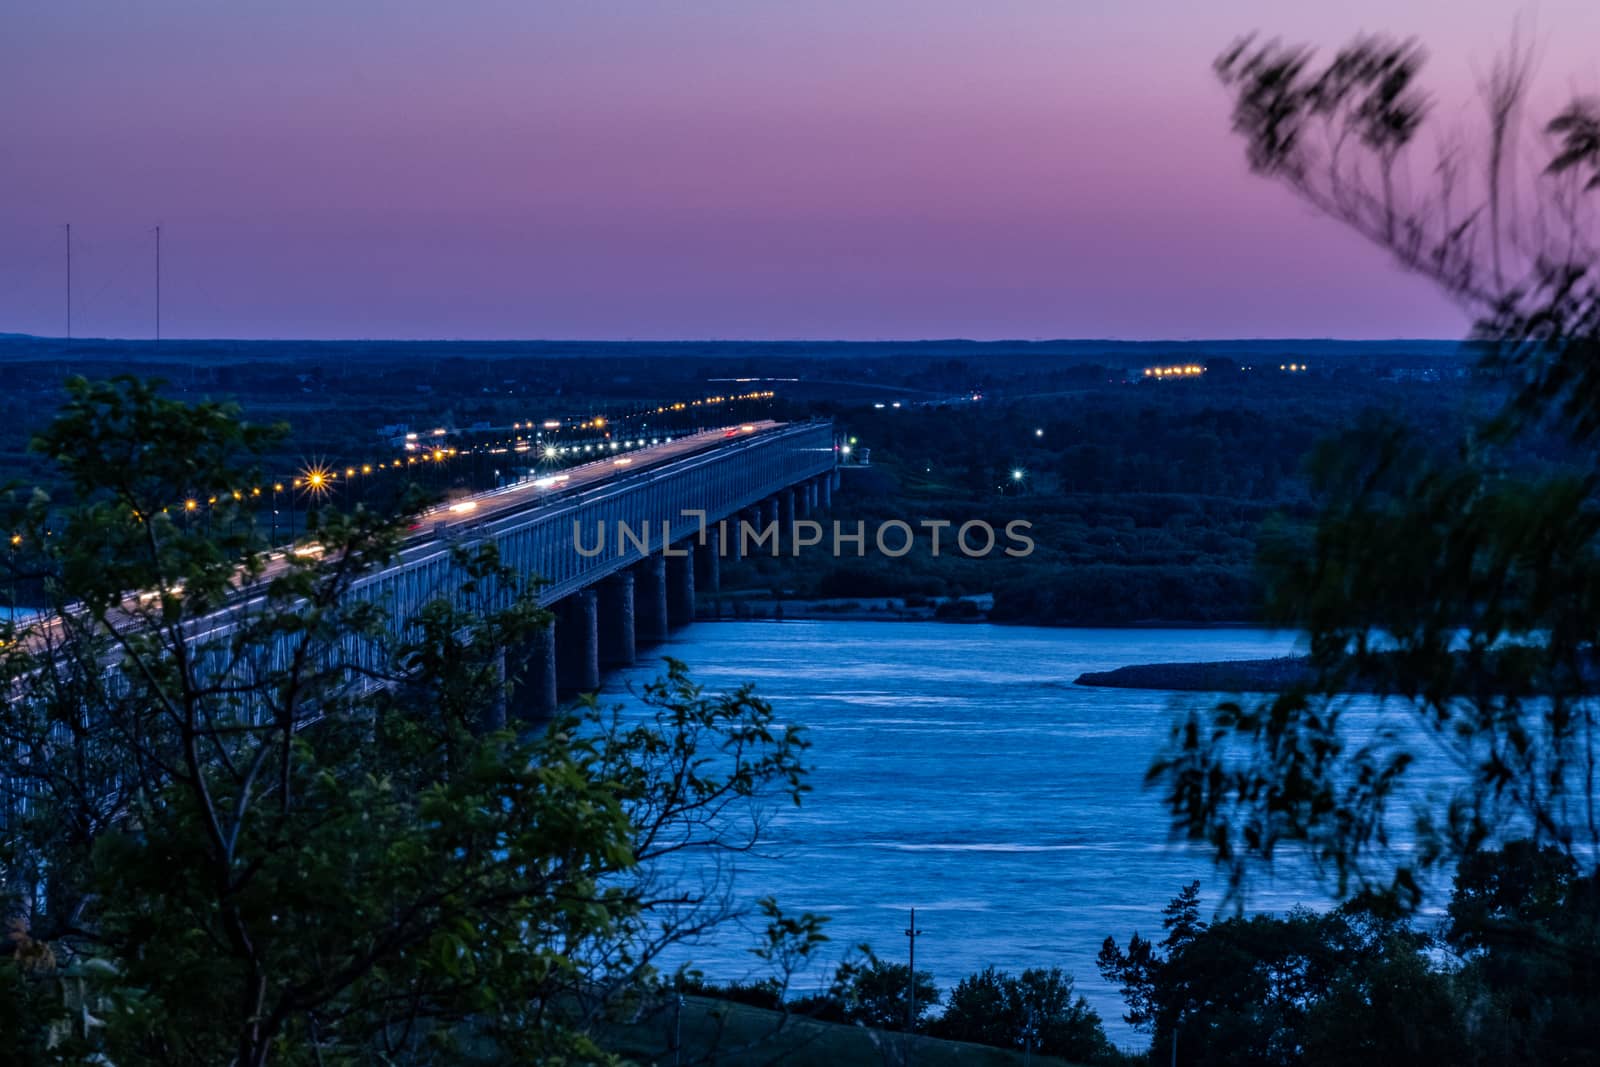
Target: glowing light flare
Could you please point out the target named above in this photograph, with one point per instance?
(1186, 370)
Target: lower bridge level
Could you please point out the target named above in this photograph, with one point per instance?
(625, 576)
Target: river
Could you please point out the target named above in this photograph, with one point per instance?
(959, 770)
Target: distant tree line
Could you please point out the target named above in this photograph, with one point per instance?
(1510, 975)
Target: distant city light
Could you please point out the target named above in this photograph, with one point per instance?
(1017, 474)
(1187, 370)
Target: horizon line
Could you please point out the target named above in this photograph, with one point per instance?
(18, 337)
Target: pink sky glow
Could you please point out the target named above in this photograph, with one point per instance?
(722, 168)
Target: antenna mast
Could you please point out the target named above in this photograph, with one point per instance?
(158, 283)
(69, 281)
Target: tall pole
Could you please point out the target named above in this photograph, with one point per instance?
(912, 933)
(158, 283)
(69, 281)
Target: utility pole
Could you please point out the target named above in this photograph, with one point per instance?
(158, 283)
(677, 1034)
(912, 933)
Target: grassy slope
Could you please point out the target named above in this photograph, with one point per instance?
(737, 1035)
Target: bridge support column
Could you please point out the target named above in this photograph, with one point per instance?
(680, 585)
(494, 716)
(617, 647)
(750, 517)
(833, 479)
(533, 698)
(804, 499)
(785, 517)
(825, 491)
(708, 565)
(578, 649)
(650, 601)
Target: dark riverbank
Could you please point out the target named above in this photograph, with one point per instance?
(1276, 675)
(1235, 676)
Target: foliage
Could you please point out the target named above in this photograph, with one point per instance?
(1036, 1009)
(1304, 988)
(267, 817)
(876, 994)
(1511, 980)
(1529, 923)
(870, 992)
(1458, 584)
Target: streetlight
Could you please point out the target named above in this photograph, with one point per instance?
(16, 543)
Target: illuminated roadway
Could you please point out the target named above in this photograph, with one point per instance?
(460, 517)
(498, 503)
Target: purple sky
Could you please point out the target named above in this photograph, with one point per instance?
(707, 168)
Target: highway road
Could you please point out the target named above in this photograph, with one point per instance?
(438, 524)
(562, 484)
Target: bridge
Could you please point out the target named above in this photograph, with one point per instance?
(622, 545)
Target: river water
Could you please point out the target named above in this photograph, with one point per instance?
(959, 770)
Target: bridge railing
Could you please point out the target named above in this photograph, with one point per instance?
(562, 544)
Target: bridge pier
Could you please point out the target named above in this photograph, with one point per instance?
(825, 491)
(650, 601)
(617, 647)
(494, 716)
(708, 566)
(769, 512)
(680, 585)
(578, 645)
(532, 697)
(748, 517)
(785, 517)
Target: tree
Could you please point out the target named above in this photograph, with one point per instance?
(979, 1010)
(1154, 1006)
(1437, 574)
(260, 816)
(1037, 1008)
(1342, 987)
(869, 992)
(1528, 924)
